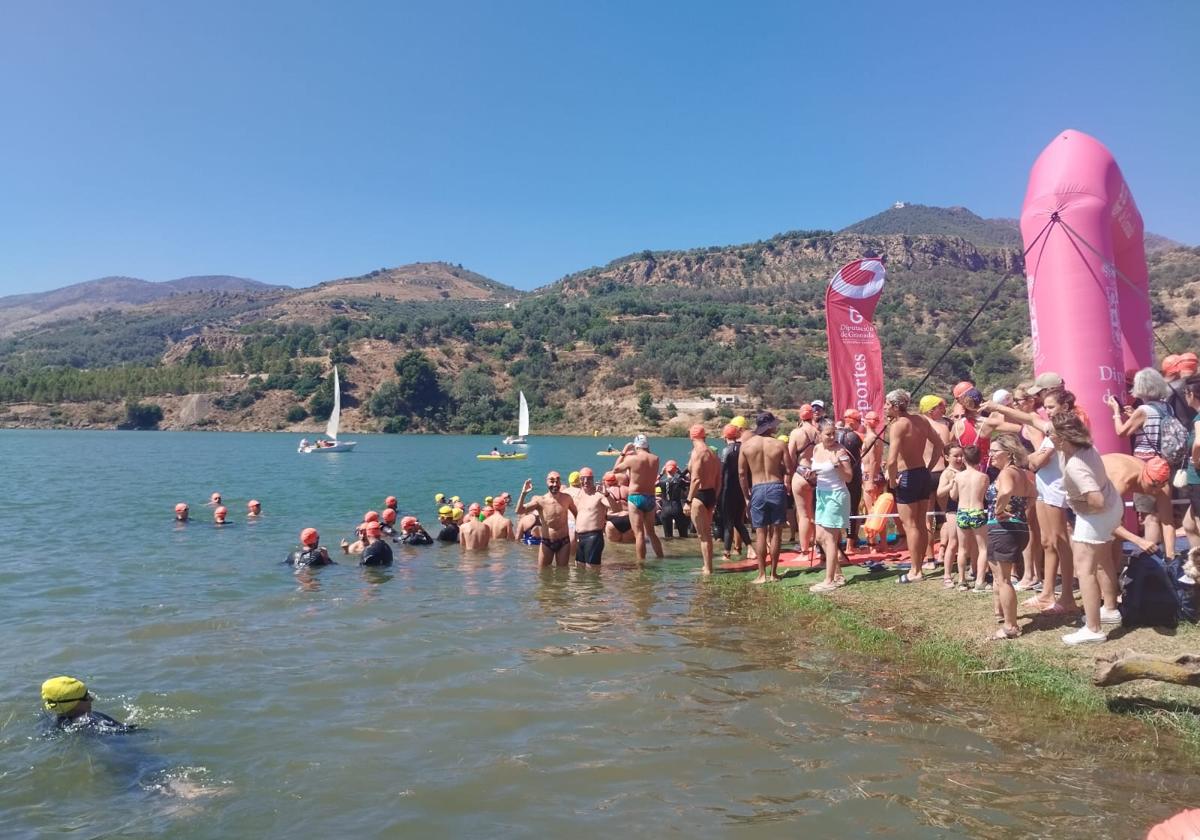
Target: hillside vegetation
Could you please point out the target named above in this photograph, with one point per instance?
(608, 348)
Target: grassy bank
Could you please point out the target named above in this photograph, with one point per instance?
(945, 632)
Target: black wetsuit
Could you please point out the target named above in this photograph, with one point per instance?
(418, 537)
(308, 557)
(853, 444)
(731, 504)
(93, 723)
(378, 553)
(675, 488)
(449, 533)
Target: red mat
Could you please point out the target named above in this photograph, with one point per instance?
(796, 560)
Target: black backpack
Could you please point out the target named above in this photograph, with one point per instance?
(1186, 595)
(1149, 597)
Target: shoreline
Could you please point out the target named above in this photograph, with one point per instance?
(944, 632)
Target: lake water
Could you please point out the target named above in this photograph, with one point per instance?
(465, 696)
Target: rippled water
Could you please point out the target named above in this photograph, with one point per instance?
(464, 695)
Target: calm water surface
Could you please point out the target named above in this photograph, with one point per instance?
(462, 695)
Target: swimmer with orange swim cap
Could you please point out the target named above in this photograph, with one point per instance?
(181, 512)
(412, 533)
(219, 515)
(310, 553)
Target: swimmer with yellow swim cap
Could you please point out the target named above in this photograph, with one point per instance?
(69, 700)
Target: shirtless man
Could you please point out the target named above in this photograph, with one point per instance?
(800, 446)
(591, 517)
(934, 408)
(643, 475)
(907, 470)
(969, 489)
(872, 460)
(763, 465)
(499, 525)
(552, 509)
(705, 470)
(473, 534)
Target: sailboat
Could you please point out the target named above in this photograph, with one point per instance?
(331, 428)
(522, 424)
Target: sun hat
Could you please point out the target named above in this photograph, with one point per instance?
(697, 432)
(389, 515)
(765, 422)
(740, 422)
(1045, 381)
(309, 536)
(62, 694)
(929, 402)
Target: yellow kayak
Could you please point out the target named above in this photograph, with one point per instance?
(613, 454)
(514, 456)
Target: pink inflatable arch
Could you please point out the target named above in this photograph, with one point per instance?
(1089, 298)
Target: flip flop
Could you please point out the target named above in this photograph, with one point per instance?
(904, 578)
(947, 583)
(1057, 609)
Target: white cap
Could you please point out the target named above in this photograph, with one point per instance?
(641, 442)
(1002, 397)
(816, 403)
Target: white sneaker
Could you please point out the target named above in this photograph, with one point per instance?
(1084, 636)
(1187, 580)
(1110, 616)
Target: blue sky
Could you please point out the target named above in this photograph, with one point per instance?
(299, 142)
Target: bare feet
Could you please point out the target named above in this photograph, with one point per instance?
(760, 579)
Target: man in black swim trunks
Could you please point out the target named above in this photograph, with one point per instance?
(910, 436)
(71, 704)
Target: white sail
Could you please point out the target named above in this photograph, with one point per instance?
(523, 423)
(331, 429)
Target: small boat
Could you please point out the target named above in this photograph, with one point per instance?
(522, 425)
(503, 456)
(331, 428)
(613, 452)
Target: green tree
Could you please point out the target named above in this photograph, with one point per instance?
(142, 416)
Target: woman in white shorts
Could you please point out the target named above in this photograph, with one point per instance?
(1098, 511)
(832, 466)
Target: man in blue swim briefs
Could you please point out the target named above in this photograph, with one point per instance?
(763, 465)
(642, 465)
(910, 438)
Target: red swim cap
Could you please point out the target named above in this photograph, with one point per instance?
(389, 502)
(221, 512)
(732, 432)
(181, 507)
(309, 536)
(408, 523)
(610, 477)
(962, 388)
(697, 432)
(371, 516)
(1156, 471)
(373, 527)
(671, 465)
(806, 412)
(851, 414)
(389, 515)
(474, 508)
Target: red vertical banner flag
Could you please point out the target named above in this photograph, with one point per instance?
(855, 362)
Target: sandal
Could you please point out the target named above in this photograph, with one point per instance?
(907, 578)
(1003, 635)
(947, 583)
(1057, 609)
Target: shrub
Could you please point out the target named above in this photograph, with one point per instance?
(296, 413)
(142, 416)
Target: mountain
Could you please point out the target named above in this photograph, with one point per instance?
(958, 222)
(21, 312)
(428, 281)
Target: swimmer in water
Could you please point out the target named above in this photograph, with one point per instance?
(253, 509)
(389, 524)
(219, 515)
(71, 704)
(311, 553)
(375, 551)
(181, 512)
(390, 503)
(413, 533)
(214, 500)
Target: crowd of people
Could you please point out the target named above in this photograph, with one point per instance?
(1002, 495)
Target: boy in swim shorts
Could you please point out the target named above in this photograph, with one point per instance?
(968, 490)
